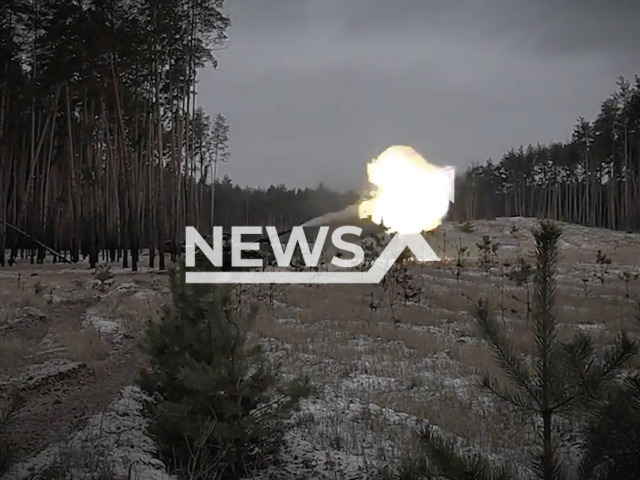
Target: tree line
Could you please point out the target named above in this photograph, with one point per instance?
(592, 179)
(103, 148)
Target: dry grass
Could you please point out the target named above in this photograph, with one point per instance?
(66, 297)
(420, 361)
(427, 363)
(20, 340)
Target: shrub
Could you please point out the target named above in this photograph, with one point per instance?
(220, 408)
(627, 276)
(487, 253)
(562, 379)
(467, 227)
(612, 435)
(104, 276)
(462, 257)
(602, 270)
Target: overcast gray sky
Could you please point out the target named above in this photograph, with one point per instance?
(313, 89)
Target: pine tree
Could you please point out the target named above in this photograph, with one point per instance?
(612, 435)
(521, 276)
(561, 378)
(220, 405)
(487, 253)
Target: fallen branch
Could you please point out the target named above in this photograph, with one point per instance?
(29, 237)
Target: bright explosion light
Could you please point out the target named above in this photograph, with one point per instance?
(412, 195)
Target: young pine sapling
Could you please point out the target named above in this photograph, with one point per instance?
(488, 254)
(462, 256)
(467, 227)
(627, 277)
(602, 267)
(443, 251)
(559, 379)
(521, 275)
(104, 276)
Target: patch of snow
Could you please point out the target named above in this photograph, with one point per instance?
(53, 298)
(36, 375)
(302, 459)
(50, 345)
(101, 324)
(591, 328)
(24, 317)
(128, 271)
(30, 312)
(73, 297)
(117, 440)
(146, 294)
(459, 385)
(283, 305)
(289, 321)
(124, 288)
(361, 342)
(360, 381)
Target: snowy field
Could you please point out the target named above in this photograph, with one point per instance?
(380, 367)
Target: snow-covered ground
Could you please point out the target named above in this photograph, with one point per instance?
(380, 371)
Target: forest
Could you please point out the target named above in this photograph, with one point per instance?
(104, 151)
(592, 179)
(102, 146)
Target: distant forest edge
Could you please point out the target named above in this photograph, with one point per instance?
(103, 150)
(592, 179)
